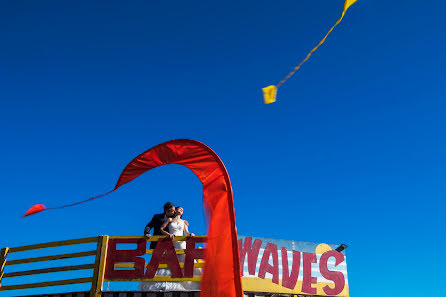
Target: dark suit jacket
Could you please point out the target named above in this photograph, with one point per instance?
(155, 224)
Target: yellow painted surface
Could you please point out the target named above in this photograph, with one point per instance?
(322, 248)
(49, 258)
(132, 265)
(52, 244)
(178, 251)
(159, 279)
(254, 284)
(3, 256)
(155, 237)
(49, 270)
(47, 284)
(99, 266)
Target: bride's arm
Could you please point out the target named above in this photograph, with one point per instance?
(164, 231)
(186, 230)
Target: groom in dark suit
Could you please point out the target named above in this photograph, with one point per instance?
(157, 221)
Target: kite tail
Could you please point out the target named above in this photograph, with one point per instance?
(270, 92)
(310, 53)
(89, 199)
(40, 207)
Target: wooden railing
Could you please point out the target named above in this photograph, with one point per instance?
(6, 251)
(98, 277)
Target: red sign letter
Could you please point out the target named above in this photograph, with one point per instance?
(270, 249)
(253, 253)
(125, 256)
(289, 281)
(308, 280)
(336, 276)
(191, 254)
(164, 245)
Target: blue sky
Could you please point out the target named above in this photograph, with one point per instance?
(352, 151)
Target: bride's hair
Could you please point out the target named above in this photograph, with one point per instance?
(177, 208)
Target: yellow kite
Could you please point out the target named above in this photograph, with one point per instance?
(270, 92)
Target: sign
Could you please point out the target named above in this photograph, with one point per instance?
(292, 267)
(163, 254)
(268, 265)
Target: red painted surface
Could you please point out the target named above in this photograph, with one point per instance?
(192, 254)
(290, 274)
(164, 253)
(270, 250)
(336, 276)
(251, 251)
(115, 255)
(308, 280)
(289, 280)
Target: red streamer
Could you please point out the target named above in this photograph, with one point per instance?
(221, 275)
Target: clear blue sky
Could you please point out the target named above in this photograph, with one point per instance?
(352, 152)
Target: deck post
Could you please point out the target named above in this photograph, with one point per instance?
(99, 266)
(3, 254)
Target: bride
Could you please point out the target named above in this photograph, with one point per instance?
(176, 226)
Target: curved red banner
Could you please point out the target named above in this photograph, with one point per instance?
(221, 275)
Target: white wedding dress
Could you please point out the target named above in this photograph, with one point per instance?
(177, 229)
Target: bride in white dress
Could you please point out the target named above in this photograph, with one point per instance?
(176, 227)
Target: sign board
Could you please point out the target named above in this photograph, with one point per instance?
(292, 267)
(164, 256)
(268, 265)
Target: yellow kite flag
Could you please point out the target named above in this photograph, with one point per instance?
(270, 92)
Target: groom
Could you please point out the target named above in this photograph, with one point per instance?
(157, 221)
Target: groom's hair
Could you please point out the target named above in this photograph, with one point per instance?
(168, 206)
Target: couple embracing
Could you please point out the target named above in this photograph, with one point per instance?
(169, 223)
